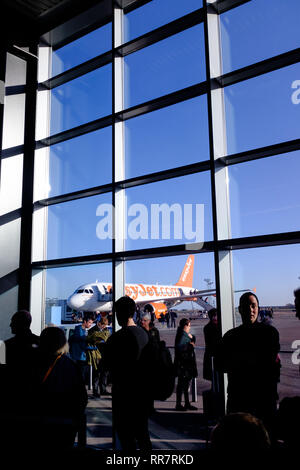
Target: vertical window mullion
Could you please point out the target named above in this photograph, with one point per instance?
(221, 203)
(27, 193)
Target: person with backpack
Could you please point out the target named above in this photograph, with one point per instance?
(185, 363)
(125, 357)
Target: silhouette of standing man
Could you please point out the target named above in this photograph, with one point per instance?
(248, 354)
(297, 302)
(21, 346)
(125, 358)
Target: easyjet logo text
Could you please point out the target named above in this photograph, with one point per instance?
(140, 290)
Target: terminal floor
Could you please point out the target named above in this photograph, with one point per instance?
(169, 429)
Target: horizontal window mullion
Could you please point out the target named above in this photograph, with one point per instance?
(74, 261)
(258, 241)
(75, 132)
(15, 90)
(276, 149)
(163, 101)
(128, 183)
(21, 54)
(225, 5)
(9, 281)
(78, 71)
(163, 32)
(147, 253)
(164, 175)
(130, 5)
(83, 193)
(12, 151)
(259, 68)
(143, 108)
(10, 216)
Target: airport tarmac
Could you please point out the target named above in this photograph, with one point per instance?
(288, 327)
(174, 430)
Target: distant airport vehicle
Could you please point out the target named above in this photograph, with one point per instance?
(97, 296)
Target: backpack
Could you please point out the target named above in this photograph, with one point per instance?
(163, 380)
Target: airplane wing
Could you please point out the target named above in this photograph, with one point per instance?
(194, 296)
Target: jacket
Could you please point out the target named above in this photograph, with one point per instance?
(78, 344)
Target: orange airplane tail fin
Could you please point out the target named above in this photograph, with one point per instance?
(186, 277)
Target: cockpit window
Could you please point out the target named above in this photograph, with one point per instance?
(86, 291)
(91, 291)
(80, 291)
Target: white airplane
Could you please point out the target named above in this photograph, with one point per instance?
(97, 297)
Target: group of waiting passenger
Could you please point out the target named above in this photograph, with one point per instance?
(44, 389)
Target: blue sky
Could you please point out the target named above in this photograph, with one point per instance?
(264, 195)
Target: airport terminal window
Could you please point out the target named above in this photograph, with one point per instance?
(76, 52)
(263, 110)
(169, 65)
(259, 111)
(81, 100)
(13, 120)
(274, 273)
(169, 212)
(11, 184)
(10, 245)
(74, 227)
(167, 138)
(15, 71)
(257, 30)
(264, 196)
(155, 14)
(62, 283)
(80, 163)
(155, 278)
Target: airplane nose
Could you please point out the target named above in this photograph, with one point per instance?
(75, 302)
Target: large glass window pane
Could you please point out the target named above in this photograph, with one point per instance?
(274, 272)
(11, 184)
(264, 196)
(81, 50)
(82, 100)
(152, 282)
(15, 71)
(263, 110)
(173, 136)
(63, 284)
(10, 246)
(13, 121)
(81, 163)
(8, 306)
(156, 13)
(73, 228)
(258, 30)
(169, 65)
(175, 211)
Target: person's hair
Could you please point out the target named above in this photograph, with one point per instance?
(245, 297)
(53, 341)
(240, 431)
(287, 421)
(88, 316)
(183, 322)
(125, 309)
(103, 321)
(147, 316)
(297, 293)
(21, 319)
(212, 312)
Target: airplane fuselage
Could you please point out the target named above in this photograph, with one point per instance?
(97, 296)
